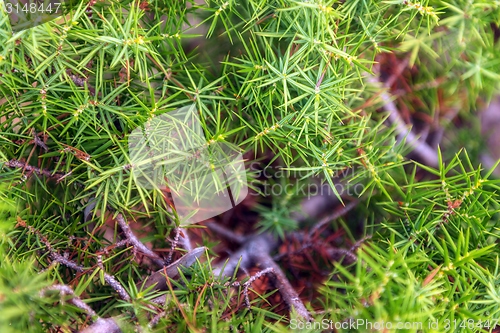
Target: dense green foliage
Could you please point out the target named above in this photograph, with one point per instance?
(288, 82)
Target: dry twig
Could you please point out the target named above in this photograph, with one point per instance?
(247, 284)
(333, 216)
(75, 300)
(228, 234)
(103, 325)
(257, 251)
(137, 243)
(420, 147)
(158, 279)
(100, 325)
(110, 280)
(58, 176)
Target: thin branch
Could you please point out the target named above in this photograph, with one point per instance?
(75, 300)
(38, 142)
(243, 257)
(80, 82)
(256, 250)
(173, 245)
(182, 237)
(333, 216)
(286, 290)
(110, 280)
(343, 253)
(252, 279)
(348, 253)
(359, 243)
(137, 243)
(318, 243)
(105, 250)
(114, 283)
(58, 176)
(64, 261)
(421, 148)
(103, 325)
(225, 232)
(158, 278)
(156, 319)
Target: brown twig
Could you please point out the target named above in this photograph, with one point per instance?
(286, 290)
(14, 163)
(100, 325)
(342, 252)
(80, 82)
(308, 243)
(75, 300)
(103, 325)
(156, 319)
(158, 279)
(420, 147)
(137, 243)
(105, 250)
(182, 237)
(359, 243)
(256, 250)
(252, 279)
(226, 233)
(38, 142)
(333, 216)
(110, 280)
(173, 245)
